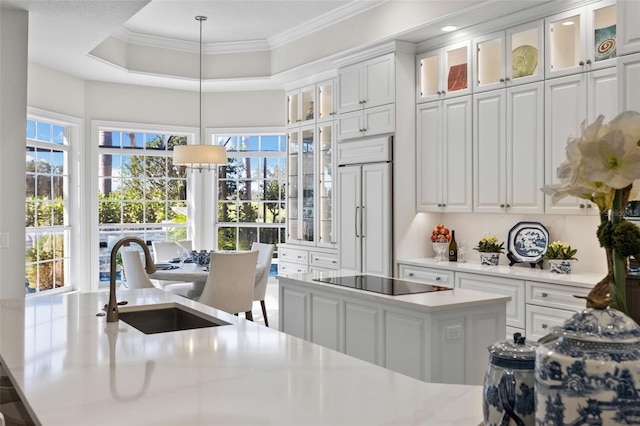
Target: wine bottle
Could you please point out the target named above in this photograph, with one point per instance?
(453, 248)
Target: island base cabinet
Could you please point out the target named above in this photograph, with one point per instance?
(442, 345)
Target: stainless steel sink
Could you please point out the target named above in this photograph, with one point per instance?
(152, 319)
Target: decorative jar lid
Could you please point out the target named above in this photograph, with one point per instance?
(599, 325)
(518, 351)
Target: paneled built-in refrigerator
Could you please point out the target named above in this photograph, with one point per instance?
(365, 206)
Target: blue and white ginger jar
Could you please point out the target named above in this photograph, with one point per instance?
(591, 374)
(508, 393)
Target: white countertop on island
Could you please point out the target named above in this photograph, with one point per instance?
(74, 368)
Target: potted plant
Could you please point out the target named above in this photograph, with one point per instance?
(560, 254)
(490, 250)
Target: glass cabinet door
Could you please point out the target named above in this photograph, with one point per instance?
(325, 190)
(307, 151)
(326, 106)
(565, 42)
(457, 76)
(293, 150)
(307, 104)
(292, 108)
(490, 61)
(524, 59)
(601, 39)
(429, 70)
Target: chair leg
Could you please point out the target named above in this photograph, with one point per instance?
(264, 313)
(248, 315)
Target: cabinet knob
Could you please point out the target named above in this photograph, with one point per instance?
(444, 205)
(410, 274)
(544, 294)
(508, 205)
(439, 204)
(501, 205)
(501, 80)
(545, 326)
(437, 278)
(582, 206)
(588, 206)
(334, 261)
(439, 92)
(443, 92)
(508, 79)
(581, 63)
(588, 61)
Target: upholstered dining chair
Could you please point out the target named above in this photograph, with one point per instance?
(262, 274)
(164, 251)
(134, 272)
(231, 281)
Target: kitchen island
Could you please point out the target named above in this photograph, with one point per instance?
(439, 336)
(71, 367)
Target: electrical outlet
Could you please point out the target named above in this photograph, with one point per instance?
(453, 332)
(4, 240)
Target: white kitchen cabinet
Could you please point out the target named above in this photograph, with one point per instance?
(444, 156)
(426, 275)
(509, 57)
(325, 204)
(498, 285)
(301, 185)
(367, 84)
(293, 259)
(301, 106)
(364, 225)
(378, 120)
(548, 305)
(508, 139)
(581, 40)
(628, 30)
(629, 81)
(444, 72)
(569, 102)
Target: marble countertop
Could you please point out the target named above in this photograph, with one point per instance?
(425, 302)
(73, 368)
(587, 280)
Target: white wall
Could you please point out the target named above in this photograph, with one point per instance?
(14, 26)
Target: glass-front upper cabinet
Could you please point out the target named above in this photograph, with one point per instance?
(444, 72)
(581, 40)
(509, 57)
(301, 106)
(326, 173)
(326, 100)
(300, 185)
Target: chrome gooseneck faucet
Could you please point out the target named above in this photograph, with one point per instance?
(112, 308)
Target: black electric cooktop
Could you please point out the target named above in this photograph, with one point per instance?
(376, 284)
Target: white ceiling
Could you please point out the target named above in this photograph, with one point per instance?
(62, 33)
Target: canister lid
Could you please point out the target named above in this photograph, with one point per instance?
(518, 348)
(599, 325)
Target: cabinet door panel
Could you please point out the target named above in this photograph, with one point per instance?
(489, 114)
(350, 125)
(349, 89)
(448, 342)
(349, 184)
(379, 81)
(379, 120)
(293, 312)
(629, 82)
(602, 94)
(565, 110)
(457, 191)
(325, 321)
(404, 346)
(628, 35)
(376, 219)
(361, 332)
(496, 285)
(525, 149)
(429, 156)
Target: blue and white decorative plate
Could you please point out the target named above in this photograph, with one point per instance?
(528, 241)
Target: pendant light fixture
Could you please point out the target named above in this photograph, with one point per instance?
(200, 156)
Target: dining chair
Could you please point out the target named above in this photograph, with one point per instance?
(231, 282)
(164, 251)
(134, 272)
(187, 244)
(265, 256)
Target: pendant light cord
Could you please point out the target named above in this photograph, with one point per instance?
(200, 18)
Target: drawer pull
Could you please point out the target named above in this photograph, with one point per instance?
(545, 326)
(544, 295)
(437, 278)
(299, 257)
(334, 262)
(410, 274)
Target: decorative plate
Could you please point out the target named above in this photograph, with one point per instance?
(528, 241)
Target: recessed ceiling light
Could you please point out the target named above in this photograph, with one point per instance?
(448, 28)
(568, 23)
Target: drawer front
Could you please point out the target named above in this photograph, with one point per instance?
(286, 268)
(541, 319)
(556, 296)
(292, 255)
(323, 260)
(427, 275)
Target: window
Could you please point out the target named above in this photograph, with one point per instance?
(251, 191)
(140, 192)
(47, 206)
